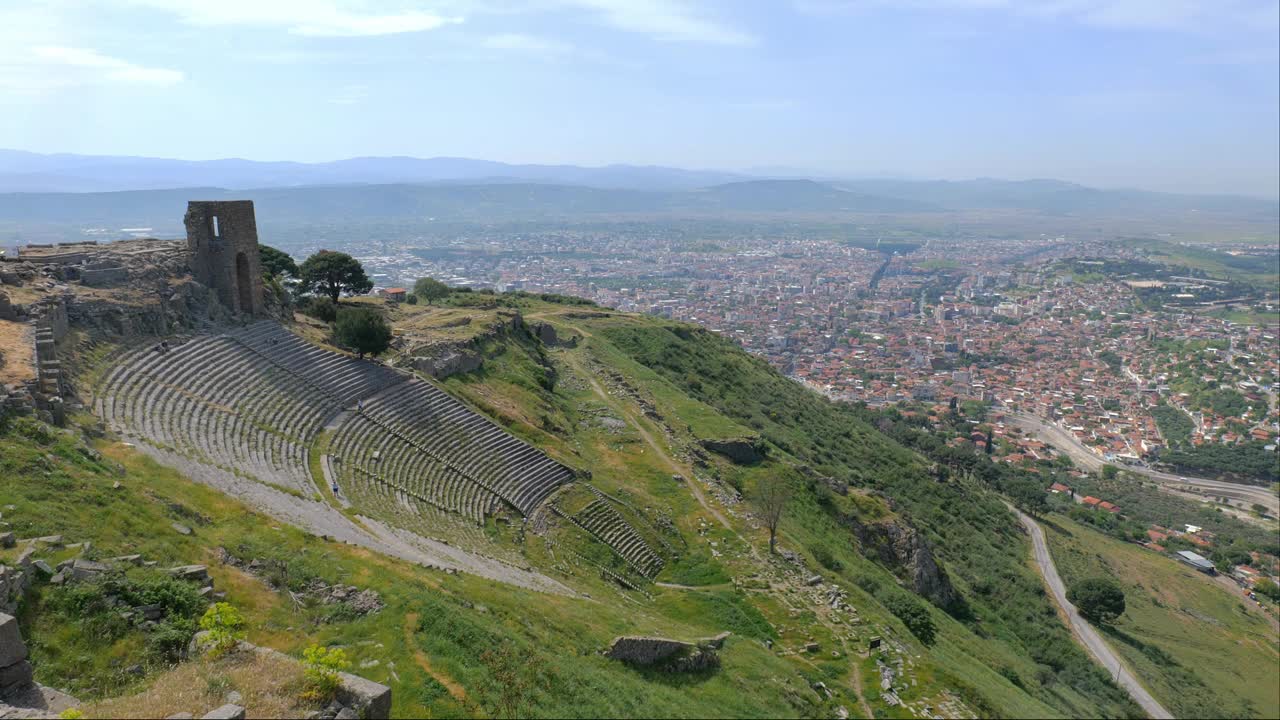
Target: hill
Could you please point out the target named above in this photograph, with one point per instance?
(901, 585)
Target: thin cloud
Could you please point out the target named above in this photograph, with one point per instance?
(665, 19)
(1260, 15)
(51, 67)
(310, 18)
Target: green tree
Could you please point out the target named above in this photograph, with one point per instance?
(363, 330)
(1109, 472)
(429, 289)
(276, 262)
(333, 273)
(1099, 600)
(1029, 498)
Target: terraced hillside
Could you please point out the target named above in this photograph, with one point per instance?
(259, 402)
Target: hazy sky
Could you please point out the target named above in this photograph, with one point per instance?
(1164, 94)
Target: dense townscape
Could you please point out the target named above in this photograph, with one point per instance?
(1081, 333)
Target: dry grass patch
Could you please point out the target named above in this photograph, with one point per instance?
(271, 687)
(17, 354)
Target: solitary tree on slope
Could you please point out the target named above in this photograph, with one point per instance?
(770, 500)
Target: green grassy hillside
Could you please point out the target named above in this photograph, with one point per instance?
(632, 403)
(1196, 645)
(435, 626)
(1001, 643)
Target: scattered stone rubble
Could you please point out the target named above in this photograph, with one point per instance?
(362, 602)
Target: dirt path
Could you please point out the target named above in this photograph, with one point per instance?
(410, 626)
(1081, 629)
(855, 679)
(675, 467)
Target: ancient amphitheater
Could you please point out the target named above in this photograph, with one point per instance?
(305, 432)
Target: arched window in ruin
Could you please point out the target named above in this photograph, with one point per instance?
(244, 283)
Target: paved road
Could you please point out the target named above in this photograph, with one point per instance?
(1084, 633)
(1068, 443)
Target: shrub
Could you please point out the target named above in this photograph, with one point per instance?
(363, 330)
(170, 638)
(321, 666)
(823, 555)
(1099, 600)
(225, 626)
(322, 308)
(914, 615)
(1267, 589)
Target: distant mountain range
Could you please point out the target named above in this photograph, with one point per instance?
(32, 172)
(461, 190)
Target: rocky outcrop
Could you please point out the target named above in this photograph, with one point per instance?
(900, 547)
(547, 335)
(666, 654)
(743, 451)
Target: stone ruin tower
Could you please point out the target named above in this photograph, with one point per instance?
(222, 237)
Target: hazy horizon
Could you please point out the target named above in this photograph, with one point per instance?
(1169, 96)
(746, 174)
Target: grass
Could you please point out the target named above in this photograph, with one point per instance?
(1193, 644)
(269, 685)
(17, 353)
(461, 615)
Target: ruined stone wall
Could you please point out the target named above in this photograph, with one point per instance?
(222, 238)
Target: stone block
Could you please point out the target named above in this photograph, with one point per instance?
(366, 698)
(716, 642)
(12, 648)
(83, 569)
(194, 573)
(226, 712)
(15, 676)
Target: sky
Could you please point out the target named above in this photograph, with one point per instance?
(1179, 95)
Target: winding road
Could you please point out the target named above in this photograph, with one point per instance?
(1084, 633)
(1068, 443)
